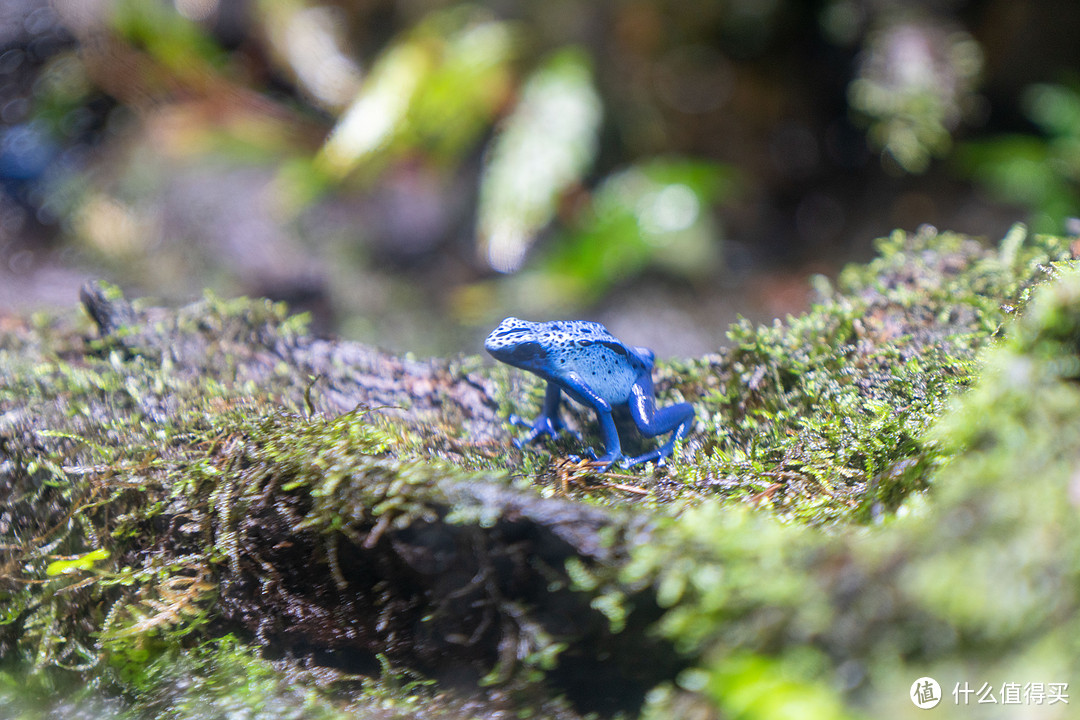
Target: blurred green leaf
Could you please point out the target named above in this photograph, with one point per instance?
(1025, 170)
(543, 149)
(1040, 173)
(757, 686)
(908, 127)
(1055, 108)
(657, 213)
(433, 91)
(311, 45)
(1013, 166)
(916, 82)
(380, 110)
(460, 97)
(654, 213)
(176, 42)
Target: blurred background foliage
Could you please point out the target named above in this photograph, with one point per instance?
(411, 171)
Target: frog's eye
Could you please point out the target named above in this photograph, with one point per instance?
(512, 332)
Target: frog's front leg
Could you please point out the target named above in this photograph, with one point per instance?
(652, 422)
(577, 388)
(547, 422)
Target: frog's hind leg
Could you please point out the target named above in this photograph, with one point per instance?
(652, 422)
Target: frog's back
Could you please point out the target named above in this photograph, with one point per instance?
(604, 364)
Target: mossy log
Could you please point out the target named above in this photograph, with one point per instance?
(297, 490)
(186, 487)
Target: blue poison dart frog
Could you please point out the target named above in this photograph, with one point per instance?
(593, 367)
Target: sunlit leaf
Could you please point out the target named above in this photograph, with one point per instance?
(545, 146)
(380, 109)
(462, 94)
(434, 92)
(310, 42)
(758, 686)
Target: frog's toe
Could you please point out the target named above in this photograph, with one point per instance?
(537, 428)
(601, 464)
(607, 460)
(654, 455)
(587, 454)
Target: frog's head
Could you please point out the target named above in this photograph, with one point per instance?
(518, 343)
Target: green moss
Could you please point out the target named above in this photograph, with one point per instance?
(131, 464)
(976, 582)
(221, 678)
(179, 477)
(188, 470)
(825, 412)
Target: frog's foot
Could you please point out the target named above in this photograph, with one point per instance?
(604, 462)
(541, 426)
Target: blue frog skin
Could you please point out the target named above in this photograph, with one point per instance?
(593, 367)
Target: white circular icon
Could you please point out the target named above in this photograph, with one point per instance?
(925, 693)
